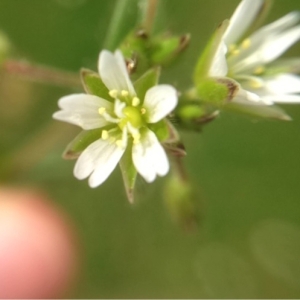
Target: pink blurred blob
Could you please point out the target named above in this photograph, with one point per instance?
(38, 257)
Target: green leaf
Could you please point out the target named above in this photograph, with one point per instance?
(83, 140)
(205, 60)
(145, 82)
(94, 85)
(129, 172)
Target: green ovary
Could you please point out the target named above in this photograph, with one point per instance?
(133, 115)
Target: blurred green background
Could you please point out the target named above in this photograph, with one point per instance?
(248, 241)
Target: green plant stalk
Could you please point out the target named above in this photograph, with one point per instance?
(43, 74)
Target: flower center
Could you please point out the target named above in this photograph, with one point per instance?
(127, 115)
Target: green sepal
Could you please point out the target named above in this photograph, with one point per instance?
(82, 141)
(160, 129)
(146, 81)
(207, 56)
(165, 49)
(93, 84)
(214, 91)
(129, 172)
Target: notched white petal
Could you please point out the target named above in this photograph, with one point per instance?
(159, 101)
(82, 110)
(149, 157)
(113, 72)
(98, 160)
(283, 84)
(242, 19)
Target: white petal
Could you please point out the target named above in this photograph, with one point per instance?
(285, 99)
(277, 46)
(249, 98)
(149, 157)
(100, 158)
(283, 84)
(219, 64)
(159, 101)
(269, 50)
(82, 110)
(242, 19)
(113, 72)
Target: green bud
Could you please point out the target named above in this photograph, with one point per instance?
(135, 50)
(165, 49)
(193, 115)
(182, 202)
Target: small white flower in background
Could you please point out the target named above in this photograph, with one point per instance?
(126, 117)
(250, 60)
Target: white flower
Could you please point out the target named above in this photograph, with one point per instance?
(124, 118)
(249, 60)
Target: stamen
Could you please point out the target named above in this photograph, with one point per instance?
(124, 93)
(101, 111)
(105, 135)
(135, 101)
(256, 84)
(259, 70)
(246, 43)
(106, 116)
(236, 52)
(143, 110)
(113, 93)
(120, 143)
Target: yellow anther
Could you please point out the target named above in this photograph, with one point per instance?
(124, 93)
(113, 93)
(120, 143)
(236, 52)
(101, 110)
(259, 70)
(105, 134)
(232, 48)
(246, 43)
(143, 110)
(256, 84)
(135, 101)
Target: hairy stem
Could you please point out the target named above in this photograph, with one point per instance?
(41, 74)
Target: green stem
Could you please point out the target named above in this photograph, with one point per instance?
(122, 21)
(41, 74)
(149, 15)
